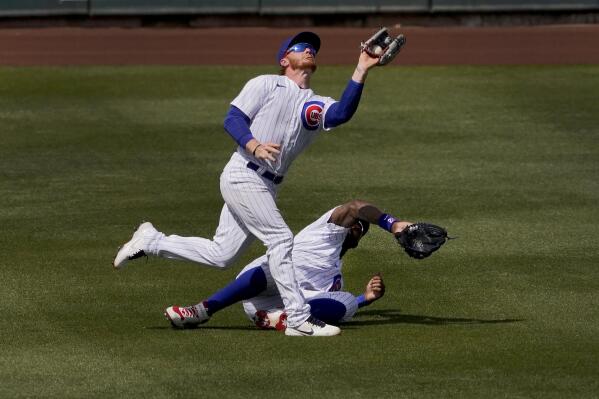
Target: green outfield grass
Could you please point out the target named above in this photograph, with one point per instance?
(506, 157)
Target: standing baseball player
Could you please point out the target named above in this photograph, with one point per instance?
(317, 259)
(273, 119)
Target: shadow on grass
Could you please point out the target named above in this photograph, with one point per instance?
(394, 316)
(390, 316)
(204, 327)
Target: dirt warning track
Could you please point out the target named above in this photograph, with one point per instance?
(254, 46)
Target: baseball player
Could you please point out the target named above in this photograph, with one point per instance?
(317, 258)
(273, 119)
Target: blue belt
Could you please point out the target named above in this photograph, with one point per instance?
(276, 179)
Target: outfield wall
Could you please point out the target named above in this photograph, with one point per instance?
(91, 8)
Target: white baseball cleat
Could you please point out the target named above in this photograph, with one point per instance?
(313, 328)
(187, 316)
(275, 318)
(134, 248)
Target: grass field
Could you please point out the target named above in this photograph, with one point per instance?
(506, 157)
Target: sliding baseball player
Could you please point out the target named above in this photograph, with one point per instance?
(317, 258)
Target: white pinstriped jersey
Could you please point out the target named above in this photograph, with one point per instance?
(315, 256)
(283, 113)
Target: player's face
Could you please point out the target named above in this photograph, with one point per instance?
(302, 56)
(353, 237)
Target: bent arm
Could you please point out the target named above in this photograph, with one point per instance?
(342, 111)
(348, 214)
(237, 124)
(375, 289)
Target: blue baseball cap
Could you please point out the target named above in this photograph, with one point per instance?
(302, 37)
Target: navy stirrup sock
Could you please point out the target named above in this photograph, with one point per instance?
(246, 286)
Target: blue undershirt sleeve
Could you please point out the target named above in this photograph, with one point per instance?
(362, 301)
(343, 110)
(237, 124)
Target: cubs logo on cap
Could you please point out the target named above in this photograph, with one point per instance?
(302, 37)
(311, 114)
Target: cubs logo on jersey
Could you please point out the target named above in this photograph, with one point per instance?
(312, 114)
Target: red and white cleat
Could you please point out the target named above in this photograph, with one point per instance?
(267, 320)
(187, 316)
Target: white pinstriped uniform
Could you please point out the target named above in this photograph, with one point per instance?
(280, 112)
(317, 267)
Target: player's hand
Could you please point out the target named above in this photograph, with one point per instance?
(267, 151)
(366, 61)
(375, 289)
(399, 226)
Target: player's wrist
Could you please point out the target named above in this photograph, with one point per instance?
(362, 301)
(387, 221)
(360, 74)
(255, 148)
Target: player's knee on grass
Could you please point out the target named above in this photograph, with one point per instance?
(333, 307)
(328, 310)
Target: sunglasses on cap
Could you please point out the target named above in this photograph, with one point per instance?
(300, 48)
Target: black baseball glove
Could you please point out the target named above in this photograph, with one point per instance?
(384, 46)
(420, 240)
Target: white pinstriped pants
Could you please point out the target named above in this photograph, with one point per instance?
(249, 212)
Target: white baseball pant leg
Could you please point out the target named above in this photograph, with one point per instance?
(230, 240)
(252, 199)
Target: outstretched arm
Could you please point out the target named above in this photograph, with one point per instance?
(348, 214)
(343, 110)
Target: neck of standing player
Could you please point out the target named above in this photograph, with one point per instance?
(299, 67)
(300, 76)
